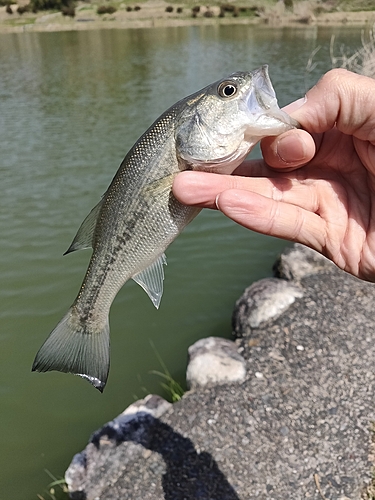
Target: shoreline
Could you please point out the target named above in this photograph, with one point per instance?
(157, 18)
(284, 412)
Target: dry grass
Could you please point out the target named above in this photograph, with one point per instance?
(362, 61)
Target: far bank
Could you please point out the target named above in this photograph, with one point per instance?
(158, 13)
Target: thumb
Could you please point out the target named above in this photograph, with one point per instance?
(342, 99)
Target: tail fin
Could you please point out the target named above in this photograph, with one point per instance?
(74, 347)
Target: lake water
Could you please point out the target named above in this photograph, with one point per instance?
(71, 105)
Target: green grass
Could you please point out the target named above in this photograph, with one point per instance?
(56, 490)
(355, 6)
(19, 21)
(171, 387)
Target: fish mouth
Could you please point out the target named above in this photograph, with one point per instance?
(261, 104)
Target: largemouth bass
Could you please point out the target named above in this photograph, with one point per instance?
(138, 216)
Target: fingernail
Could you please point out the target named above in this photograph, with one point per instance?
(291, 149)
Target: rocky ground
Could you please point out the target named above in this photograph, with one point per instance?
(284, 413)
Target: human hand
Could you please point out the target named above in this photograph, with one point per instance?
(315, 186)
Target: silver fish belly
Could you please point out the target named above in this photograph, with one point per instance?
(138, 216)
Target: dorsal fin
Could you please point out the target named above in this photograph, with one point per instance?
(151, 280)
(83, 238)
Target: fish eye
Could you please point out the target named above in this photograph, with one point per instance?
(227, 89)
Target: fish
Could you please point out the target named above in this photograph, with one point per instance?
(138, 217)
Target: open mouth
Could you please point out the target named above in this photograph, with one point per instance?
(261, 104)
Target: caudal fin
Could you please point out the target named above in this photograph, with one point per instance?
(74, 347)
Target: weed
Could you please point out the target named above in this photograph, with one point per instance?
(170, 385)
(56, 490)
(362, 61)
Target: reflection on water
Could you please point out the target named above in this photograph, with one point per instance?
(72, 104)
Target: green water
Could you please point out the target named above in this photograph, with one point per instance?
(71, 105)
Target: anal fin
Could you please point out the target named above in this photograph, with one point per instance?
(151, 280)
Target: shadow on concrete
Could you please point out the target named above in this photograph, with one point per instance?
(189, 475)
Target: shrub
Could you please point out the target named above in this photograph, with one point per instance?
(106, 9)
(23, 8)
(169, 8)
(227, 7)
(137, 7)
(36, 5)
(68, 11)
(288, 4)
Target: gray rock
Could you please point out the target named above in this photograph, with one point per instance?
(298, 427)
(152, 404)
(262, 301)
(214, 360)
(300, 261)
(94, 472)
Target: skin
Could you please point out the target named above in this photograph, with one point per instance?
(315, 186)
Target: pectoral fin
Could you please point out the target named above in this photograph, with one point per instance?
(160, 187)
(151, 280)
(83, 238)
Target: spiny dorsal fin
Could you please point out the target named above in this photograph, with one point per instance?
(151, 280)
(83, 238)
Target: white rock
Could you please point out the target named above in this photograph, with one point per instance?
(263, 300)
(214, 360)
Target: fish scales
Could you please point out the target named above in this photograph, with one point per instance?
(138, 216)
(154, 222)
